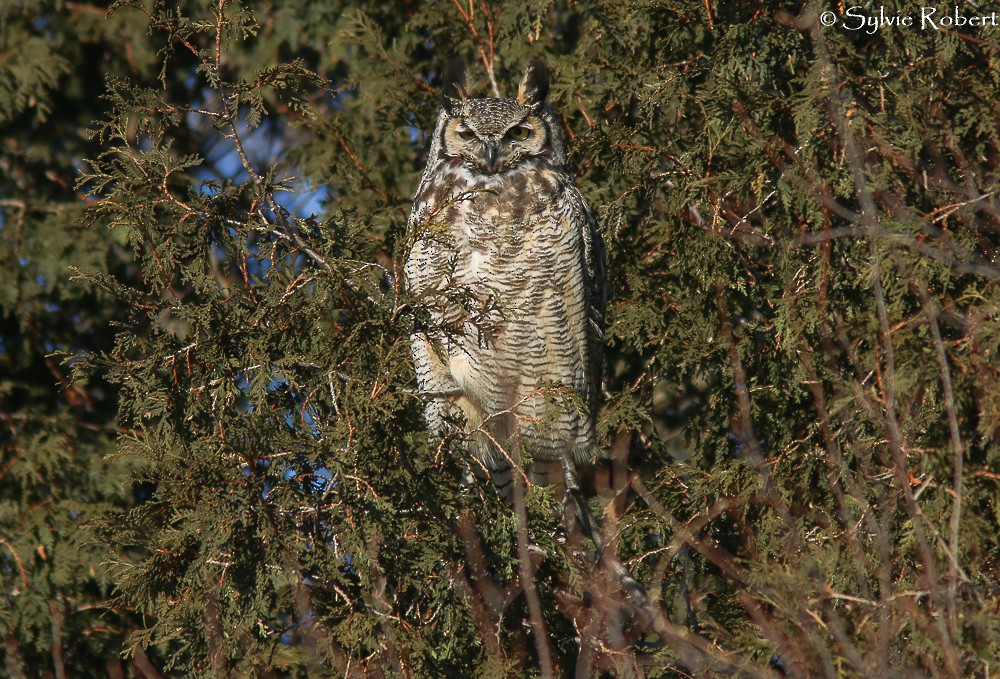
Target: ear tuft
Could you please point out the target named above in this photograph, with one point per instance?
(454, 91)
(535, 86)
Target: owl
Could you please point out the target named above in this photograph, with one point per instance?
(505, 253)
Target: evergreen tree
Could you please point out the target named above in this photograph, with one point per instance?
(214, 459)
(56, 433)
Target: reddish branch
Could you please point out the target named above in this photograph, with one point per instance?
(485, 44)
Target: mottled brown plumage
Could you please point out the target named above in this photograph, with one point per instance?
(506, 254)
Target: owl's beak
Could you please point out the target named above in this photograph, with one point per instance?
(490, 153)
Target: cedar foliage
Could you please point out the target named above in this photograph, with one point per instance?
(213, 458)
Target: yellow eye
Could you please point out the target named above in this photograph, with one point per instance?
(519, 132)
(466, 134)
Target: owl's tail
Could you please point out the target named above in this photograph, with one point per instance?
(549, 472)
(546, 473)
(629, 584)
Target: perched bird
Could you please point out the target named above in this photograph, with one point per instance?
(505, 253)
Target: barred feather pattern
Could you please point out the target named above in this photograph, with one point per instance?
(510, 264)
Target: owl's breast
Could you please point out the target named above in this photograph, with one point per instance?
(503, 215)
(495, 236)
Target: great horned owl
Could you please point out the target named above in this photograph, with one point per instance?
(506, 254)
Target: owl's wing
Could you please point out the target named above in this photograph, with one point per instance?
(424, 261)
(593, 261)
(425, 203)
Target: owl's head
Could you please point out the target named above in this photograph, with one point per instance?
(490, 135)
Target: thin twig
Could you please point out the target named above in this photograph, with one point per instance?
(17, 560)
(527, 570)
(932, 311)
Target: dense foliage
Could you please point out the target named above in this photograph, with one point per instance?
(213, 461)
